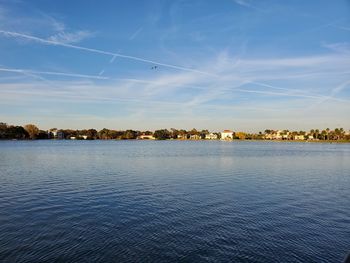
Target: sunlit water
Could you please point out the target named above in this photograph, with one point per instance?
(172, 201)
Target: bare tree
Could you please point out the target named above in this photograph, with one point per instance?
(32, 130)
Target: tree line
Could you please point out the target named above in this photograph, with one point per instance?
(31, 131)
(314, 134)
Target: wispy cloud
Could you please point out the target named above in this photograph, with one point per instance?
(344, 28)
(70, 37)
(135, 34)
(343, 47)
(26, 71)
(245, 3)
(43, 23)
(112, 59)
(98, 51)
(339, 88)
(337, 26)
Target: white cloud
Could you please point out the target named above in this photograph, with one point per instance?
(343, 47)
(71, 37)
(37, 21)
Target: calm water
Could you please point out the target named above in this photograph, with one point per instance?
(171, 201)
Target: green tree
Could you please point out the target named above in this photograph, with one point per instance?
(203, 133)
(161, 134)
(42, 135)
(16, 132)
(103, 134)
(130, 134)
(194, 132)
(91, 134)
(174, 133)
(317, 134)
(3, 130)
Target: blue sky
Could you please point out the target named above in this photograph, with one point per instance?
(238, 64)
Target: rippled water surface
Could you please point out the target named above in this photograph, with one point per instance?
(172, 201)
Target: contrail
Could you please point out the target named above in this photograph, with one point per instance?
(98, 51)
(132, 37)
(288, 95)
(112, 59)
(25, 71)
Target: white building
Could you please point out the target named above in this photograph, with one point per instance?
(195, 137)
(211, 136)
(53, 132)
(278, 135)
(182, 136)
(56, 134)
(299, 137)
(227, 135)
(146, 137)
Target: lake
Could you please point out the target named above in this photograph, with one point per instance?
(174, 201)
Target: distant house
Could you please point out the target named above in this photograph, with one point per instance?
(182, 136)
(60, 135)
(195, 137)
(56, 134)
(277, 135)
(146, 137)
(227, 135)
(73, 138)
(52, 133)
(310, 137)
(84, 137)
(268, 136)
(299, 137)
(211, 136)
(285, 136)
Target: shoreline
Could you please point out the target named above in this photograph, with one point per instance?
(204, 140)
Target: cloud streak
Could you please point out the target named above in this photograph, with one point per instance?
(70, 37)
(98, 51)
(32, 72)
(134, 35)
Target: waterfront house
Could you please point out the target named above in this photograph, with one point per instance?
(227, 135)
(182, 136)
(56, 134)
(299, 137)
(277, 135)
(60, 135)
(310, 137)
(211, 136)
(268, 136)
(285, 136)
(146, 137)
(195, 137)
(52, 133)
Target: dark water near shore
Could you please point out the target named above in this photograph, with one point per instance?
(172, 201)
